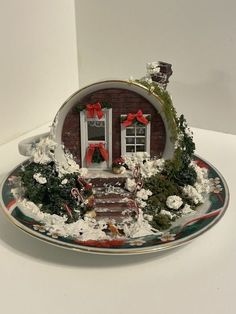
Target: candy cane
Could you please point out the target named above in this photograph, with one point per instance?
(69, 211)
(76, 194)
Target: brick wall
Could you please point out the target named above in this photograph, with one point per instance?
(123, 102)
(71, 134)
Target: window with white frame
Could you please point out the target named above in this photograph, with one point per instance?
(135, 138)
(96, 130)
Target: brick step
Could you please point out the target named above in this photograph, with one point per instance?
(102, 182)
(110, 190)
(115, 206)
(112, 196)
(121, 212)
(116, 209)
(112, 200)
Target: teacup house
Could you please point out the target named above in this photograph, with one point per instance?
(110, 119)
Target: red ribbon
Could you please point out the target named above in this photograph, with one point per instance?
(94, 110)
(138, 116)
(91, 149)
(86, 185)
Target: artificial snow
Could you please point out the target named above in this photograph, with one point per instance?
(139, 228)
(39, 178)
(130, 185)
(186, 209)
(193, 194)
(174, 202)
(143, 194)
(167, 213)
(43, 151)
(83, 229)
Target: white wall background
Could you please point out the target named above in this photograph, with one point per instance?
(38, 62)
(117, 38)
(40, 52)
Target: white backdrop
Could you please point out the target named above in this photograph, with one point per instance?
(40, 52)
(38, 62)
(117, 38)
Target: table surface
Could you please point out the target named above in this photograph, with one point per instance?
(200, 277)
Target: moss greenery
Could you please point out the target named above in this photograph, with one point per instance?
(54, 196)
(178, 168)
(177, 171)
(168, 108)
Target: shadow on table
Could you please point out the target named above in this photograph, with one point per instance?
(22, 244)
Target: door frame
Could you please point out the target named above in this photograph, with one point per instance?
(84, 139)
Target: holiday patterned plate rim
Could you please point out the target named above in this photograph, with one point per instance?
(177, 235)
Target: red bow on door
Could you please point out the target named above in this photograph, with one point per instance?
(91, 149)
(138, 116)
(94, 110)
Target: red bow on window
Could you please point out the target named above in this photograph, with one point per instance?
(94, 110)
(138, 116)
(91, 149)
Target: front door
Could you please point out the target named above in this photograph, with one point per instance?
(96, 140)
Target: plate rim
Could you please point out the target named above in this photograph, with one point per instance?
(119, 251)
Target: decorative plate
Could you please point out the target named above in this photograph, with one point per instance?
(181, 231)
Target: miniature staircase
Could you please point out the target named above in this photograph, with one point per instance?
(111, 199)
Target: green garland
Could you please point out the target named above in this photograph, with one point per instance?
(177, 171)
(81, 107)
(168, 108)
(135, 121)
(178, 167)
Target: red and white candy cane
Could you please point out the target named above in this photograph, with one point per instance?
(76, 194)
(132, 204)
(136, 171)
(138, 178)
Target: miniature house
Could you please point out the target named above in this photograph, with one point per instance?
(112, 119)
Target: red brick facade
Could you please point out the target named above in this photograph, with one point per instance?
(123, 102)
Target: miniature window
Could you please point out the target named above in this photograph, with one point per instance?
(135, 138)
(96, 130)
